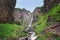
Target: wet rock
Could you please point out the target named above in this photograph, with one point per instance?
(6, 10)
(24, 38)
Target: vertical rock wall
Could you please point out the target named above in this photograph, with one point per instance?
(48, 4)
(6, 10)
(36, 13)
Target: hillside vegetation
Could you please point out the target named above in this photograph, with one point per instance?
(43, 22)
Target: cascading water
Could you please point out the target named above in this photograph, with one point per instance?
(31, 33)
(30, 22)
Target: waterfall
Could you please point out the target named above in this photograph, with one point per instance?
(31, 34)
(30, 23)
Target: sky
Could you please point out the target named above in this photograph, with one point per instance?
(29, 4)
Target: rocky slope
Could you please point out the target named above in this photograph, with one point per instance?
(22, 16)
(17, 15)
(36, 13)
(48, 4)
(6, 10)
(50, 20)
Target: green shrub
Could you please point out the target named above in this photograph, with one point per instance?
(10, 30)
(41, 24)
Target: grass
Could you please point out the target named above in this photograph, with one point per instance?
(41, 24)
(11, 30)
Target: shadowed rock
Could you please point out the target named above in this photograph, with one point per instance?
(36, 13)
(48, 4)
(6, 10)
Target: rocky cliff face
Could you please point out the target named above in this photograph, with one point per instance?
(26, 17)
(36, 14)
(6, 10)
(55, 28)
(48, 4)
(22, 16)
(18, 15)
